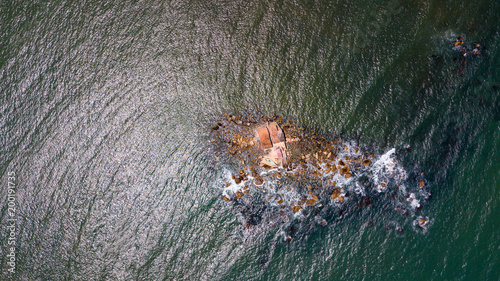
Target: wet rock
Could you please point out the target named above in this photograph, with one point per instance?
(335, 193)
(311, 202)
(422, 222)
(344, 170)
(258, 181)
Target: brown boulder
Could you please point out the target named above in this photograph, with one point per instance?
(258, 181)
(335, 193)
(311, 202)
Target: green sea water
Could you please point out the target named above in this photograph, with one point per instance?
(106, 109)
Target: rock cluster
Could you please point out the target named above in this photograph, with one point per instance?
(466, 51)
(316, 174)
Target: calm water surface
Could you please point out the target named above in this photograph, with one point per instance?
(106, 107)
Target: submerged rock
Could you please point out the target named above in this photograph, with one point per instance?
(311, 202)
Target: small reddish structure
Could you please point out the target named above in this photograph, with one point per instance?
(263, 136)
(273, 143)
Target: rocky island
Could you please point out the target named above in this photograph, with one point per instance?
(284, 173)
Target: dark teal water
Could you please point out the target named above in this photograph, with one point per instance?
(106, 108)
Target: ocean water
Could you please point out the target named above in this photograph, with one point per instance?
(105, 117)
